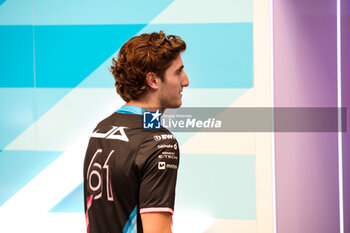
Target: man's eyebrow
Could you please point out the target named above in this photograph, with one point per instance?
(180, 68)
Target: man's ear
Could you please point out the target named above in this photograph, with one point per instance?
(152, 80)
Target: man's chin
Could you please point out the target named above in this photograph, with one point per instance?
(173, 105)
(177, 105)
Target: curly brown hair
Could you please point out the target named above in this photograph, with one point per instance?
(140, 55)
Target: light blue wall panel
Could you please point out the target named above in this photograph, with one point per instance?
(221, 185)
(66, 55)
(53, 47)
(219, 55)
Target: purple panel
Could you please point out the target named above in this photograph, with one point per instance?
(305, 46)
(345, 29)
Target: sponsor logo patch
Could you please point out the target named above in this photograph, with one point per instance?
(163, 137)
(168, 156)
(161, 165)
(165, 146)
(171, 166)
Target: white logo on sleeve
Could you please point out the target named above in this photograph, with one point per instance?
(163, 137)
(161, 165)
(167, 136)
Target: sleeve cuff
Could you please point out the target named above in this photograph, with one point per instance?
(156, 209)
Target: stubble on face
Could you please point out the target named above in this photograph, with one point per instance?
(171, 87)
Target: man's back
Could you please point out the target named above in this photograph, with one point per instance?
(127, 171)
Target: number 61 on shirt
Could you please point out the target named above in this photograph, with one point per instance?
(95, 170)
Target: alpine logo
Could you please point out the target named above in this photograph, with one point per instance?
(117, 132)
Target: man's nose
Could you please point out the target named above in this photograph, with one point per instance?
(185, 81)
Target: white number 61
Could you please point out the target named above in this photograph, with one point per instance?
(95, 169)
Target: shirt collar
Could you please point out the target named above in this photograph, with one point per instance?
(131, 109)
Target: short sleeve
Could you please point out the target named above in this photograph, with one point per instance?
(158, 161)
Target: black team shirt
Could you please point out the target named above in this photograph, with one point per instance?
(128, 170)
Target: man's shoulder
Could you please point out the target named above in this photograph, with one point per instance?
(121, 119)
(157, 144)
(156, 139)
(161, 134)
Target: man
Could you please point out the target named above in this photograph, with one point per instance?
(130, 172)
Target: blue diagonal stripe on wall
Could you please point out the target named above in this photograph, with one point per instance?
(55, 12)
(18, 103)
(2, 1)
(87, 12)
(17, 168)
(23, 106)
(72, 203)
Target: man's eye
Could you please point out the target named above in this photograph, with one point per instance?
(178, 72)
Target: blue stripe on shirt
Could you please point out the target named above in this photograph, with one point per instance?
(131, 109)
